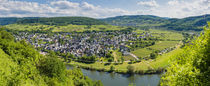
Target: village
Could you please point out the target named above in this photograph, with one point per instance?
(85, 43)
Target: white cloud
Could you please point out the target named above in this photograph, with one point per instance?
(17, 8)
(173, 2)
(55, 8)
(64, 4)
(181, 8)
(87, 6)
(151, 3)
(173, 8)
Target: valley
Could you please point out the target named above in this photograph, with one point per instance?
(142, 49)
(102, 47)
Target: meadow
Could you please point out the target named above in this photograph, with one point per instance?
(67, 28)
(167, 39)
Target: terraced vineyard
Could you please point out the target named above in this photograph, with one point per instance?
(67, 28)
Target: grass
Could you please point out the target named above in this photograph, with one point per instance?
(163, 44)
(82, 28)
(142, 52)
(169, 39)
(21, 27)
(128, 58)
(164, 60)
(117, 55)
(166, 35)
(68, 28)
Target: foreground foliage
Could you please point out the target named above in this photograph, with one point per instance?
(22, 65)
(191, 67)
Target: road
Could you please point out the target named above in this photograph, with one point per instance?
(134, 56)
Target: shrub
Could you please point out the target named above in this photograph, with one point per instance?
(52, 67)
(112, 68)
(130, 69)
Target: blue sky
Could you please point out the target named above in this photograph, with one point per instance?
(103, 8)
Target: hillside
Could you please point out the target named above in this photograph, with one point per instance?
(12, 20)
(191, 67)
(22, 65)
(66, 28)
(63, 21)
(136, 20)
(143, 21)
(51, 20)
(149, 21)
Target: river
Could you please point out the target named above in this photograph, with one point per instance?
(115, 79)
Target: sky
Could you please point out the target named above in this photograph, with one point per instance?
(103, 8)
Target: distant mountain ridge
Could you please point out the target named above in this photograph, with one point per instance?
(63, 21)
(11, 20)
(133, 20)
(188, 23)
(195, 23)
(52, 20)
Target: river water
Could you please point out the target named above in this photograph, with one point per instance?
(115, 79)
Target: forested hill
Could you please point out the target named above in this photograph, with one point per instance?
(135, 20)
(195, 23)
(189, 23)
(12, 20)
(52, 20)
(63, 21)
(22, 65)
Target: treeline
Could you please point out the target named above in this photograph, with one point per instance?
(12, 20)
(22, 65)
(135, 20)
(62, 21)
(191, 67)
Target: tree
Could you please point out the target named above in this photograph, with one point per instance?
(6, 35)
(122, 59)
(52, 67)
(140, 58)
(131, 61)
(98, 83)
(118, 60)
(109, 55)
(130, 69)
(153, 55)
(110, 60)
(112, 68)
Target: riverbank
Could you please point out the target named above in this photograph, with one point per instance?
(116, 79)
(120, 71)
(155, 66)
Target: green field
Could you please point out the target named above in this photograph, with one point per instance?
(168, 39)
(162, 61)
(164, 44)
(67, 28)
(166, 35)
(142, 52)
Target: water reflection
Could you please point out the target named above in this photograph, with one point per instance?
(112, 75)
(115, 79)
(101, 73)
